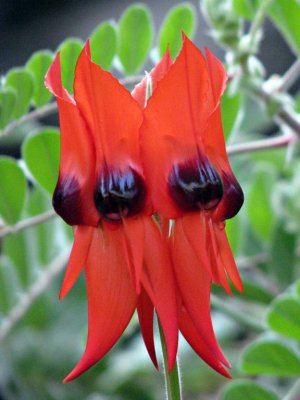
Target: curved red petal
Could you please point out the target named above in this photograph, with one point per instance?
(139, 93)
(145, 311)
(111, 298)
(196, 341)
(174, 121)
(112, 115)
(194, 283)
(216, 259)
(73, 196)
(227, 256)
(134, 235)
(82, 240)
(157, 280)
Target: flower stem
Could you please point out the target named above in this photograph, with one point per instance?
(172, 379)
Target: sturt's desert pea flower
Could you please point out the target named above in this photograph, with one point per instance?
(125, 172)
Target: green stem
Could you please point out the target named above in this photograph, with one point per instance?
(258, 21)
(172, 379)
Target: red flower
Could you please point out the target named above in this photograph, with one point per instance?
(101, 191)
(191, 183)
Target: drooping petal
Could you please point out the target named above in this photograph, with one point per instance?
(73, 196)
(174, 121)
(134, 236)
(194, 283)
(156, 74)
(227, 256)
(111, 297)
(157, 280)
(112, 115)
(82, 240)
(145, 311)
(196, 341)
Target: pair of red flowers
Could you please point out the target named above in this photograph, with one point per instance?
(147, 186)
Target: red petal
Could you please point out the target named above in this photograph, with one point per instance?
(215, 257)
(77, 158)
(158, 282)
(134, 235)
(112, 115)
(227, 256)
(196, 341)
(146, 313)
(174, 121)
(194, 283)
(111, 298)
(82, 240)
(139, 93)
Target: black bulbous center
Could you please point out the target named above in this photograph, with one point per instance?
(195, 185)
(66, 200)
(119, 194)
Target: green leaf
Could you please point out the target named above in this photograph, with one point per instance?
(283, 255)
(104, 44)
(233, 233)
(22, 82)
(258, 202)
(230, 106)
(246, 390)
(180, 18)
(286, 16)
(270, 357)
(135, 37)
(283, 317)
(69, 53)
(253, 291)
(38, 65)
(246, 8)
(13, 190)
(41, 155)
(8, 100)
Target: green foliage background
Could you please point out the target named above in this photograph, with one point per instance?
(42, 339)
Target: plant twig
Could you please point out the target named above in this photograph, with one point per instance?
(290, 77)
(258, 145)
(237, 315)
(294, 393)
(37, 289)
(26, 223)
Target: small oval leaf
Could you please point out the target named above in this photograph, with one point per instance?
(69, 53)
(270, 357)
(135, 37)
(231, 111)
(41, 155)
(8, 100)
(13, 190)
(104, 44)
(38, 65)
(246, 390)
(283, 317)
(22, 82)
(180, 18)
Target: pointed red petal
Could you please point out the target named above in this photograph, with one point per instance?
(139, 93)
(174, 121)
(73, 197)
(82, 240)
(227, 256)
(145, 310)
(111, 298)
(158, 282)
(134, 235)
(112, 115)
(216, 259)
(194, 283)
(196, 341)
